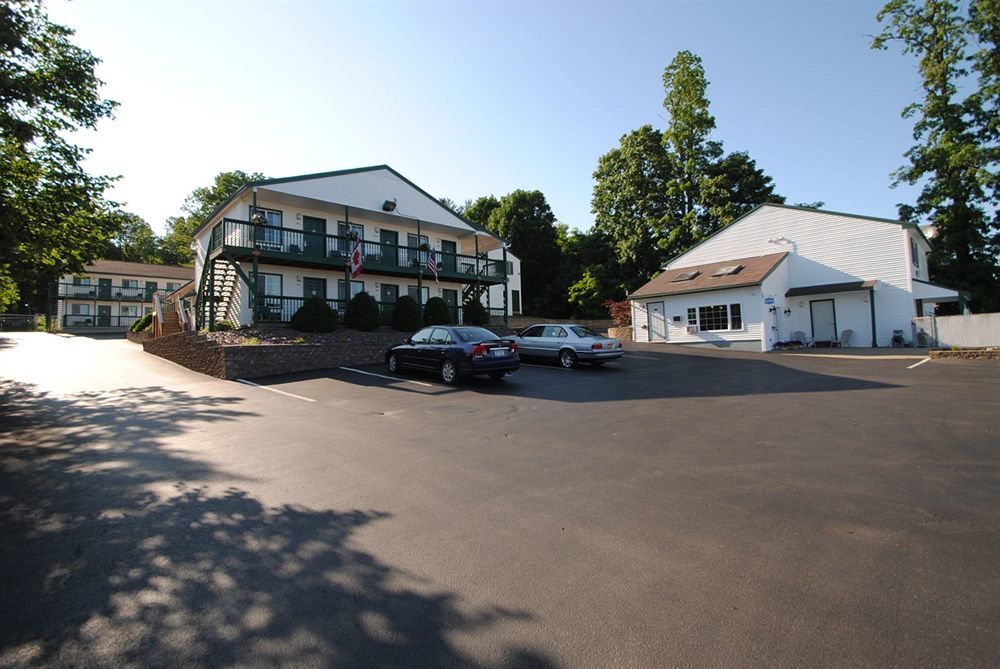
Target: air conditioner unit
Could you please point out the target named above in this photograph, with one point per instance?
(692, 329)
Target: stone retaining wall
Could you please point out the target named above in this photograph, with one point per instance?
(138, 337)
(969, 354)
(246, 362)
(190, 350)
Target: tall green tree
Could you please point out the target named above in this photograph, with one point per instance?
(525, 219)
(630, 202)
(952, 159)
(479, 210)
(135, 241)
(659, 193)
(198, 206)
(54, 218)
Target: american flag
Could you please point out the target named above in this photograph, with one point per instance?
(356, 259)
(432, 264)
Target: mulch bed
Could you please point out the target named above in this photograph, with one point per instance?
(275, 335)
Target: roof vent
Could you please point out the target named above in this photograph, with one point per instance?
(726, 271)
(685, 276)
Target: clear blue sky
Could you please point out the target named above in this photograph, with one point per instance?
(472, 98)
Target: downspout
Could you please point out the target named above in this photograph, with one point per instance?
(420, 273)
(347, 267)
(871, 301)
(505, 285)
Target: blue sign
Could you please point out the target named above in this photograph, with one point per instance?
(768, 300)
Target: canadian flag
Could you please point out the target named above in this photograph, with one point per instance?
(356, 259)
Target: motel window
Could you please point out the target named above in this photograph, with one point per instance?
(130, 283)
(270, 218)
(412, 292)
(129, 311)
(716, 317)
(914, 252)
(268, 285)
(356, 287)
(80, 309)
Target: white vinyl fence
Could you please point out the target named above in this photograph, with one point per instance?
(970, 331)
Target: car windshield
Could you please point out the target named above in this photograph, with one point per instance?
(475, 334)
(585, 332)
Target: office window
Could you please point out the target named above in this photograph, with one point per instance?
(716, 317)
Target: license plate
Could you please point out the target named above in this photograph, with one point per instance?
(500, 352)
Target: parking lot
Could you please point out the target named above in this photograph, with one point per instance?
(677, 508)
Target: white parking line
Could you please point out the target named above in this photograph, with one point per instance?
(644, 357)
(917, 364)
(533, 364)
(383, 376)
(275, 390)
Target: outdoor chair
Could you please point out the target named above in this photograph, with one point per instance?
(845, 339)
(799, 335)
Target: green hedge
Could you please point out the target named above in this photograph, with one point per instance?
(474, 313)
(142, 323)
(436, 312)
(315, 315)
(362, 313)
(406, 314)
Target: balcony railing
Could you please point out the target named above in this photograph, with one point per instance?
(97, 321)
(280, 309)
(108, 292)
(335, 250)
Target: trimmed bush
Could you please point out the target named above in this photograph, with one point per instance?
(142, 323)
(436, 312)
(315, 315)
(362, 313)
(222, 326)
(474, 313)
(406, 314)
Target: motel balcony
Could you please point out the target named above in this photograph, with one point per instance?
(242, 240)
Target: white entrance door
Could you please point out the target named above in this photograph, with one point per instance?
(824, 320)
(655, 323)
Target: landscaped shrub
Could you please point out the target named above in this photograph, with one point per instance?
(362, 313)
(436, 312)
(474, 313)
(406, 314)
(142, 323)
(222, 326)
(620, 311)
(315, 315)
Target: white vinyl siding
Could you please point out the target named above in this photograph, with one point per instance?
(825, 248)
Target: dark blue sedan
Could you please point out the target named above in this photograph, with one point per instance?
(455, 351)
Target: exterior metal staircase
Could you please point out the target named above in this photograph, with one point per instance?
(215, 292)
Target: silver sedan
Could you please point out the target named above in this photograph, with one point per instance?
(567, 343)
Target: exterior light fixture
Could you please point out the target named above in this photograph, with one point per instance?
(788, 312)
(389, 205)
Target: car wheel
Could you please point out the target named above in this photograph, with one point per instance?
(393, 363)
(497, 376)
(449, 373)
(567, 358)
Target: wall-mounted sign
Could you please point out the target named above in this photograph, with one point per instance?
(768, 300)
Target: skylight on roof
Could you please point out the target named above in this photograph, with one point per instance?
(726, 271)
(685, 276)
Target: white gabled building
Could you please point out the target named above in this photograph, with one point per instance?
(110, 295)
(781, 273)
(292, 238)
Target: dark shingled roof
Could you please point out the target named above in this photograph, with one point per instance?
(754, 270)
(138, 269)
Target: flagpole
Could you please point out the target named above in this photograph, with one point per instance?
(420, 274)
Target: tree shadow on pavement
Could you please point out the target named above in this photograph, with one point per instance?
(98, 568)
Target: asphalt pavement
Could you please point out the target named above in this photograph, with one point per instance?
(678, 508)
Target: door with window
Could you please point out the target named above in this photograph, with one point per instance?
(515, 301)
(389, 239)
(450, 297)
(104, 288)
(150, 289)
(824, 320)
(655, 322)
(312, 286)
(448, 252)
(314, 236)
(103, 315)
(388, 295)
